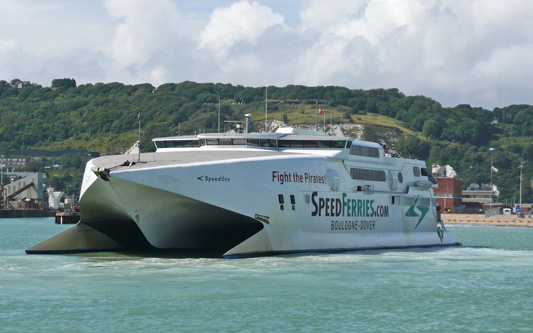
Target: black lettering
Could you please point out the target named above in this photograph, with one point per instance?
(338, 207)
(321, 205)
(314, 203)
(327, 207)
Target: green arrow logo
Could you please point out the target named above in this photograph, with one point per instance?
(411, 212)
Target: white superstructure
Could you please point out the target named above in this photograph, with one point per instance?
(245, 194)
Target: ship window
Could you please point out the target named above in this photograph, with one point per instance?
(252, 142)
(366, 174)
(281, 199)
(239, 141)
(416, 171)
(321, 144)
(423, 201)
(400, 177)
(225, 141)
(310, 144)
(262, 142)
(324, 144)
(297, 144)
(267, 143)
(283, 144)
(211, 142)
(293, 199)
(338, 144)
(364, 151)
(408, 201)
(177, 144)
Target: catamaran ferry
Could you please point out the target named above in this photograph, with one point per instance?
(252, 194)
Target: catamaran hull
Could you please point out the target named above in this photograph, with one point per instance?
(120, 211)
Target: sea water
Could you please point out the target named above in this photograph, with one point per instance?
(484, 285)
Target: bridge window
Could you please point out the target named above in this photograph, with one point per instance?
(177, 143)
(320, 144)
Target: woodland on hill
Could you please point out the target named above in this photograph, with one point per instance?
(103, 118)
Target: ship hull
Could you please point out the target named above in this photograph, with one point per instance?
(239, 212)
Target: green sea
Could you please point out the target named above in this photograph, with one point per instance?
(485, 285)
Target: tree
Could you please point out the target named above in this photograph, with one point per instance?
(432, 129)
(63, 83)
(412, 146)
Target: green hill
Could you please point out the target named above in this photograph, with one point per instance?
(103, 118)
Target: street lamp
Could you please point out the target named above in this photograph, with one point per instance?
(2, 168)
(521, 167)
(491, 188)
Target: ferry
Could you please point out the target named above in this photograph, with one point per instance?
(253, 194)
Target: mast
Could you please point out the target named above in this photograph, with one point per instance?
(316, 117)
(139, 142)
(218, 131)
(266, 109)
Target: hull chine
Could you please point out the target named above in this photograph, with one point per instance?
(80, 238)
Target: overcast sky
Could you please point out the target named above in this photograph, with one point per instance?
(477, 52)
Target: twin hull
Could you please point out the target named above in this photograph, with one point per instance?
(246, 206)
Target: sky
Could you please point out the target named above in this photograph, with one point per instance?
(477, 52)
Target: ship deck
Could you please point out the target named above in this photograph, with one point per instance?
(162, 159)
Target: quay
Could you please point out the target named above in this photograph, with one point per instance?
(67, 217)
(480, 219)
(21, 213)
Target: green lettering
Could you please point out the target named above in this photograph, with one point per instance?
(344, 205)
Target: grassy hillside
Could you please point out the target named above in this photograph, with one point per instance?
(103, 118)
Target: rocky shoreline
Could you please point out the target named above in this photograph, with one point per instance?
(497, 220)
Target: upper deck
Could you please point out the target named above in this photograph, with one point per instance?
(282, 139)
